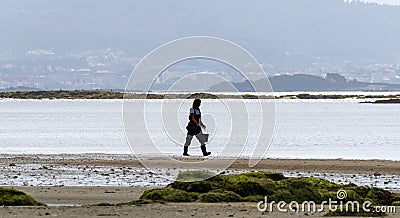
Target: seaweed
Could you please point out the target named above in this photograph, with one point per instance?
(223, 196)
(13, 197)
(169, 195)
(254, 186)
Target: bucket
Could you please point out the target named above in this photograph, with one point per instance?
(205, 137)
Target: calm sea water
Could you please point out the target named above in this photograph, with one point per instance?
(304, 128)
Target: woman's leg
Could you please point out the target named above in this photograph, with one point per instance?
(200, 137)
(187, 143)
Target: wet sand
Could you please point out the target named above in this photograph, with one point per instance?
(276, 165)
(83, 195)
(124, 170)
(151, 210)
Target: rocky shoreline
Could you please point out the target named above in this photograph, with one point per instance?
(104, 94)
(386, 101)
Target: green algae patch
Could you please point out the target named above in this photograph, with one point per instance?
(197, 186)
(396, 197)
(13, 197)
(169, 195)
(222, 196)
(192, 176)
(301, 189)
(380, 196)
(139, 202)
(254, 186)
(396, 203)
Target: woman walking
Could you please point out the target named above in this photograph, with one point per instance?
(194, 129)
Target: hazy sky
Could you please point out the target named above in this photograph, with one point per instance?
(272, 30)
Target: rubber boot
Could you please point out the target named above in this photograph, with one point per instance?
(204, 150)
(185, 150)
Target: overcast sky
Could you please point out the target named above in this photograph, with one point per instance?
(272, 30)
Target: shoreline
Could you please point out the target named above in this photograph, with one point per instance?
(268, 164)
(105, 94)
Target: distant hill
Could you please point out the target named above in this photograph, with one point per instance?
(19, 88)
(304, 82)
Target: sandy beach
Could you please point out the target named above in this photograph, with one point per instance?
(153, 210)
(69, 183)
(61, 199)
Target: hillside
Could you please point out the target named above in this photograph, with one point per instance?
(304, 82)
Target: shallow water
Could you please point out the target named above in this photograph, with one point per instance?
(304, 128)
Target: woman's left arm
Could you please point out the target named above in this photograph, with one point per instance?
(202, 124)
